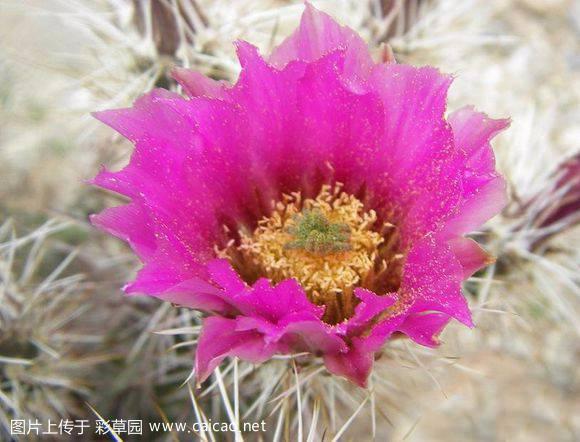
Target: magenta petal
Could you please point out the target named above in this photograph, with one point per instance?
(369, 307)
(278, 312)
(303, 331)
(432, 277)
(308, 128)
(423, 328)
(319, 35)
(280, 301)
(168, 179)
(144, 119)
(164, 265)
(194, 293)
(420, 183)
(489, 199)
(196, 84)
(220, 339)
(355, 365)
(314, 336)
(271, 319)
(484, 190)
(270, 332)
(129, 223)
(473, 131)
(222, 273)
(273, 303)
(470, 254)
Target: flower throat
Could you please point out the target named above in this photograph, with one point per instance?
(329, 244)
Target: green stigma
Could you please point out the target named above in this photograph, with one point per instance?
(314, 233)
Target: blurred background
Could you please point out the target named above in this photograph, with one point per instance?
(73, 347)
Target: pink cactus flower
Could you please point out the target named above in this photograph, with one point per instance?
(317, 205)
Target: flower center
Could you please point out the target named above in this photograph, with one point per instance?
(330, 244)
(314, 233)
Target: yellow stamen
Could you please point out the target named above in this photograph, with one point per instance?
(328, 278)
